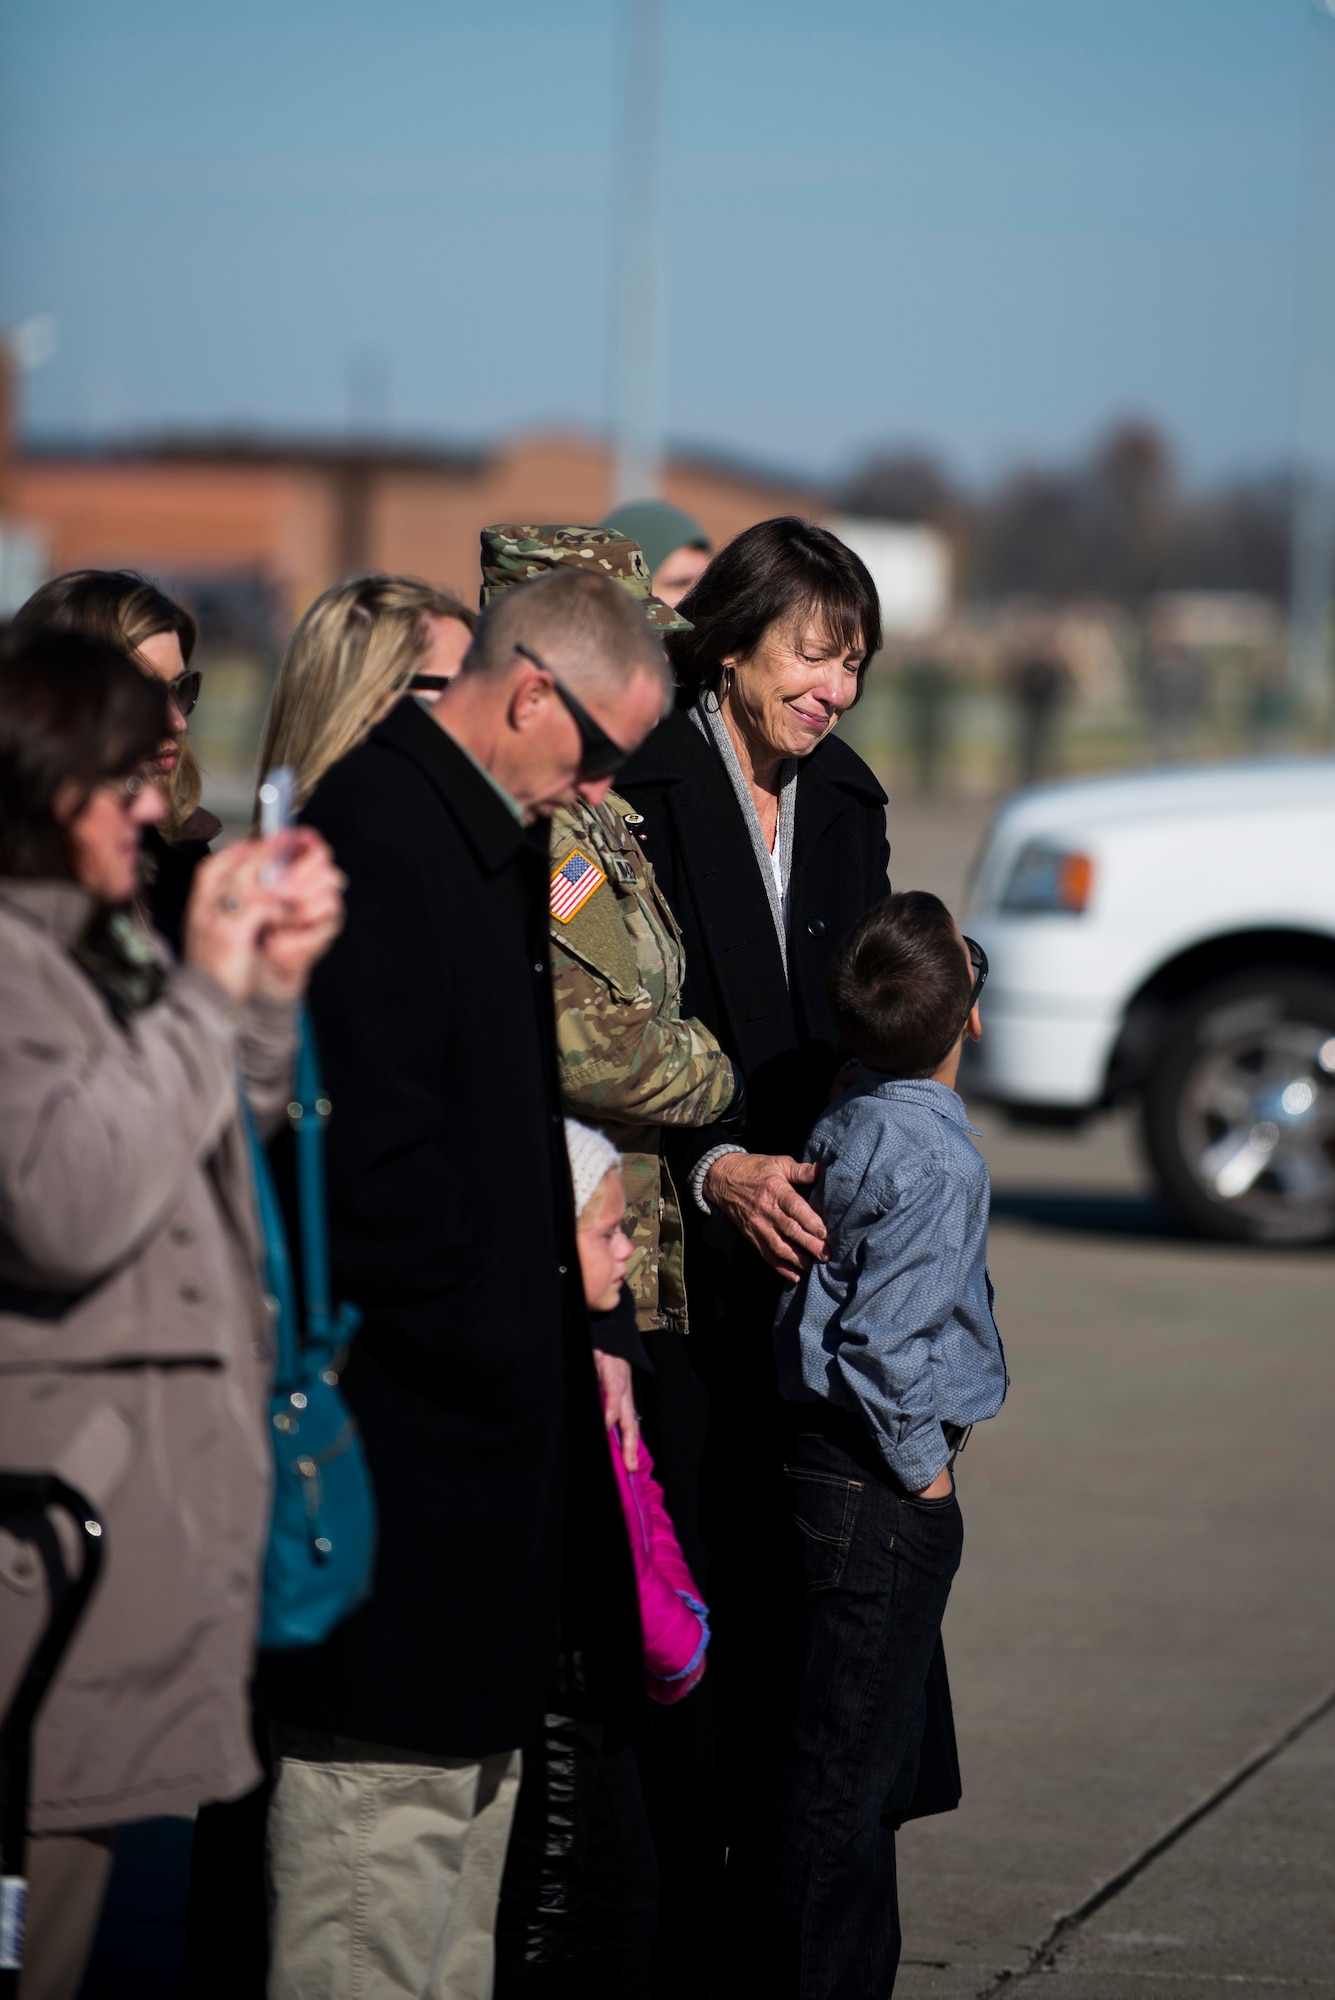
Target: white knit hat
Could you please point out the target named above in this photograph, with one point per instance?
(592, 1158)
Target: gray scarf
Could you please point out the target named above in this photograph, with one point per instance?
(707, 719)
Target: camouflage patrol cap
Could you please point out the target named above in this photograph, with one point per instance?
(512, 553)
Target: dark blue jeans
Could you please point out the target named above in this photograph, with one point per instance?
(877, 1566)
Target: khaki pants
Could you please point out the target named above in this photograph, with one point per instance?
(67, 1882)
(384, 1870)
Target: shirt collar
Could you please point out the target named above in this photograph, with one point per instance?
(922, 1090)
(507, 799)
(493, 831)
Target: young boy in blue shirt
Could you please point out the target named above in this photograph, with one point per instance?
(887, 1353)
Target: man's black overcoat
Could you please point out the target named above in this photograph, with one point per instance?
(451, 1223)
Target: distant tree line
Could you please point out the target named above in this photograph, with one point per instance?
(1119, 524)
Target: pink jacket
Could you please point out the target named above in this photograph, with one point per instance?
(672, 1612)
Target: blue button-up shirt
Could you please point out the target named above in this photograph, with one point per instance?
(898, 1324)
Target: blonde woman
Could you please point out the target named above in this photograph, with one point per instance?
(128, 612)
(360, 647)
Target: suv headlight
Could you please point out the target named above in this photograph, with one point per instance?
(1051, 879)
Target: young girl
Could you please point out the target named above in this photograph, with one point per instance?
(676, 1629)
(579, 1902)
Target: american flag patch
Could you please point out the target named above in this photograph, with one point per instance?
(573, 884)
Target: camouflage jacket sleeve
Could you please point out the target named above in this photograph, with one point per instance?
(626, 1053)
(624, 1061)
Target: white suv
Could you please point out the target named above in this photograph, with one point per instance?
(1169, 936)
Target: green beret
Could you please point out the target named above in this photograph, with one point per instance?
(658, 527)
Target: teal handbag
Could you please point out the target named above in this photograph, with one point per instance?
(318, 1564)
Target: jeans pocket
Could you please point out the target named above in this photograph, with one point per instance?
(825, 1511)
(941, 1505)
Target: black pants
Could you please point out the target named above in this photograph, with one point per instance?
(715, 1426)
(877, 1569)
(227, 1923)
(579, 1898)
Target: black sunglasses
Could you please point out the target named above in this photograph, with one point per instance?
(601, 754)
(978, 960)
(184, 690)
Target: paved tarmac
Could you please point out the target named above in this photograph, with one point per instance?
(1146, 1613)
(1146, 1603)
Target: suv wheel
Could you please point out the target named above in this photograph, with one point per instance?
(1239, 1109)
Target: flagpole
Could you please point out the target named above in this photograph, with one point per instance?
(638, 344)
(1312, 532)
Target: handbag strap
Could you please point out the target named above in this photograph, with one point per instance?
(277, 1263)
(309, 1112)
(326, 1330)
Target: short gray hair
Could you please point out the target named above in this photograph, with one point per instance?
(597, 631)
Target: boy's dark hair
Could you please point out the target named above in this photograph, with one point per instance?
(898, 987)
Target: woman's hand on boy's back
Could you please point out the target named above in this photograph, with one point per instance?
(758, 1192)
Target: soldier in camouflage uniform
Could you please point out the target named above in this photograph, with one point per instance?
(630, 1063)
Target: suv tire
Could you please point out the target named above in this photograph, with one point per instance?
(1238, 1114)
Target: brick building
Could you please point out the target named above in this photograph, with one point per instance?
(294, 517)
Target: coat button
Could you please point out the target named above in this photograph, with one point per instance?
(180, 1234)
(816, 925)
(192, 1295)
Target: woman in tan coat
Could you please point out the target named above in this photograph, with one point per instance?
(134, 1349)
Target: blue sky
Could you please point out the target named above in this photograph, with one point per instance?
(986, 228)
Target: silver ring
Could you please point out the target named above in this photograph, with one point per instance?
(230, 903)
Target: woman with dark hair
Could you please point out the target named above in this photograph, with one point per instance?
(767, 835)
(134, 1334)
(125, 610)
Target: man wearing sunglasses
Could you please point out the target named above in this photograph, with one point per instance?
(471, 1377)
(634, 1064)
(551, 717)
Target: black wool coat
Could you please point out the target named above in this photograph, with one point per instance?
(712, 1411)
(696, 837)
(452, 1227)
(717, 1427)
(783, 1040)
